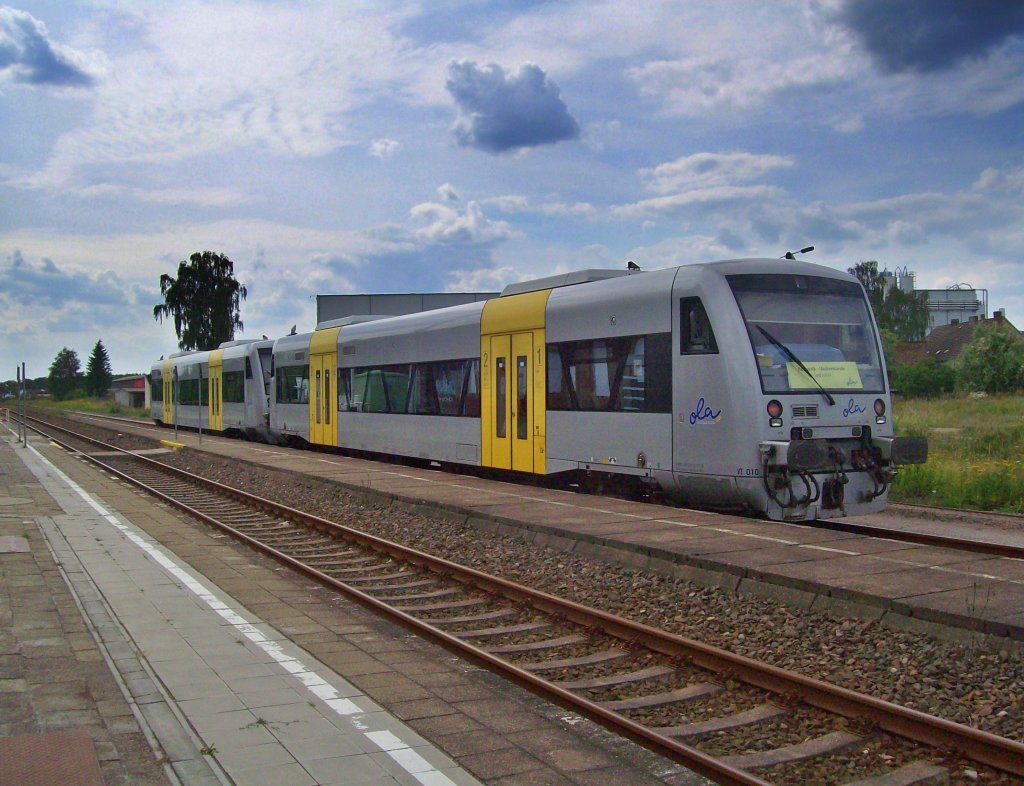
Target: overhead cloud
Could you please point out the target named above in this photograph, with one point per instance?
(448, 226)
(28, 56)
(501, 112)
(384, 148)
(705, 182)
(930, 35)
(44, 283)
(706, 170)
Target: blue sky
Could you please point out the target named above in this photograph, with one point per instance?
(451, 146)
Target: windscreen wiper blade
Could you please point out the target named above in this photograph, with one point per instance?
(789, 354)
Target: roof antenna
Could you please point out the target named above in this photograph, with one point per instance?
(631, 265)
(792, 254)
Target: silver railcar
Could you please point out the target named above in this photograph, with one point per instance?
(747, 384)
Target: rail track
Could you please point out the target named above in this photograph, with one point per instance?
(989, 548)
(728, 717)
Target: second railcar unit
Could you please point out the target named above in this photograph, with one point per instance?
(225, 390)
(754, 384)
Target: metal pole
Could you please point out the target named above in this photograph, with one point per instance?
(200, 366)
(24, 426)
(174, 402)
(17, 399)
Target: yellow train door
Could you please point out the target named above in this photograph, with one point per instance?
(168, 382)
(323, 399)
(499, 403)
(512, 381)
(215, 393)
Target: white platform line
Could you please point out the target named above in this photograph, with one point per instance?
(402, 753)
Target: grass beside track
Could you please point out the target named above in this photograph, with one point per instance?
(975, 452)
(96, 405)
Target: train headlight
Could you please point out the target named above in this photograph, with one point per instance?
(775, 413)
(879, 411)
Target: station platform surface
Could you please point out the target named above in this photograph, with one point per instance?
(178, 656)
(939, 591)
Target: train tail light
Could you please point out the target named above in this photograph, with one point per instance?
(879, 411)
(775, 413)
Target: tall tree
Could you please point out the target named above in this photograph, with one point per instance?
(904, 313)
(97, 372)
(64, 374)
(204, 300)
(873, 281)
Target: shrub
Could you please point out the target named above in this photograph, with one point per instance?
(993, 362)
(927, 379)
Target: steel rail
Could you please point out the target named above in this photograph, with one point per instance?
(975, 744)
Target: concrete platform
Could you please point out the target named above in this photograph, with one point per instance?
(206, 663)
(938, 590)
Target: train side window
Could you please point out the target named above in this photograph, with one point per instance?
(559, 386)
(449, 380)
(344, 390)
(156, 388)
(471, 397)
(423, 391)
(396, 380)
(695, 334)
(248, 368)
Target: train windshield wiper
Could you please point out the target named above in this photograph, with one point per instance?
(789, 354)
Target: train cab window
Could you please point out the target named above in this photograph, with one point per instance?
(156, 388)
(695, 334)
(248, 368)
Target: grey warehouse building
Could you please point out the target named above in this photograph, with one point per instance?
(329, 307)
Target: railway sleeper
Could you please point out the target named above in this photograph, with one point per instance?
(441, 593)
(613, 680)
(917, 773)
(833, 742)
(488, 633)
(758, 714)
(698, 690)
(534, 646)
(570, 663)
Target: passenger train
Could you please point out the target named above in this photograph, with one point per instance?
(753, 384)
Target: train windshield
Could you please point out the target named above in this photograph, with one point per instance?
(809, 333)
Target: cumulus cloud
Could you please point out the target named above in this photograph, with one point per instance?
(499, 111)
(930, 35)
(29, 57)
(384, 148)
(446, 193)
(449, 226)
